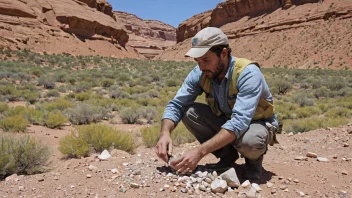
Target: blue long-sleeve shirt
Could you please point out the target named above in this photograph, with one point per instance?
(251, 87)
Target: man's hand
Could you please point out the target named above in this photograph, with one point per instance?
(188, 161)
(164, 147)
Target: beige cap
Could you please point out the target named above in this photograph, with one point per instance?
(205, 39)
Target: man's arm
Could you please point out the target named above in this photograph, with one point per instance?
(173, 113)
(164, 145)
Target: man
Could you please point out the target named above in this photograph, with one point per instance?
(238, 111)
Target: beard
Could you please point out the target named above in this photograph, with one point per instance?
(218, 70)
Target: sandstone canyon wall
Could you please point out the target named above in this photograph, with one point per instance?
(148, 37)
(277, 33)
(79, 27)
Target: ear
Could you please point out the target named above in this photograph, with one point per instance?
(224, 53)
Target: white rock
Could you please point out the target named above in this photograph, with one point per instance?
(104, 155)
(114, 170)
(89, 176)
(301, 194)
(218, 186)
(208, 180)
(269, 184)
(322, 159)
(231, 178)
(246, 184)
(125, 164)
(251, 193)
(215, 174)
(166, 186)
(202, 188)
(256, 187)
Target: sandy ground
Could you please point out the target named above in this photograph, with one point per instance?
(73, 178)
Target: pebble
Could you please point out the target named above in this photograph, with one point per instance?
(296, 180)
(134, 185)
(312, 155)
(89, 176)
(322, 159)
(269, 184)
(345, 144)
(301, 158)
(184, 190)
(301, 194)
(344, 172)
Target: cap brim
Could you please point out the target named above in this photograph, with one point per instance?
(197, 52)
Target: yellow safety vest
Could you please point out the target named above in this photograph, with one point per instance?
(265, 109)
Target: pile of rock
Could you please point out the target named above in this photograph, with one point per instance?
(202, 182)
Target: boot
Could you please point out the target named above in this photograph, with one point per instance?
(224, 163)
(253, 168)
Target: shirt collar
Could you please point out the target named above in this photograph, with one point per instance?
(230, 68)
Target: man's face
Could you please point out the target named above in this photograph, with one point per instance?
(210, 64)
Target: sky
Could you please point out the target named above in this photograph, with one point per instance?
(172, 12)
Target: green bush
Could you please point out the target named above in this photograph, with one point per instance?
(312, 123)
(55, 119)
(305, 112)
(22, 155)
(107, 83)
(53, 93)
(15, 123)
(172, 83)
(31, 97)
(338, 112)
(60, 104)
(181, 135)
(3, 107)
(150, 135)
(280, 86)
(34, 116)
(73, 146)
(303, 100)
(85, 114)
(83, 96)
(97, 137)
(130, 115)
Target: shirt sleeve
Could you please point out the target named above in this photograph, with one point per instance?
(250, 86)
(185, 96)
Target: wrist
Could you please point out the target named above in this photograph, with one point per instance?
(203, 151)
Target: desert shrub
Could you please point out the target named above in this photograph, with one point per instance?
(305, 112)
(153, 93)
(171, 83)
(321, 92)
(303, 100)
(107, 83)
(47, 81)
(148, 113)
(130, 115)
(126, 102)
(82, 96)
(31, 97)
(55, 119)
(34, 116)
(3, 107)
(181, 135)
(338, 112)
(60, 104)
(123, 77)
(18, 110)
(15, 123)
(280, 86)
(53, 93)
(85, 113)
(81, 87)
(37, 72)
(22, 155)
(312, 123)
(335, 83)
(116, 94)
(72, 146)
(97, 137)
(150, 135)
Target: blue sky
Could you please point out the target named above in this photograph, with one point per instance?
(172, 12)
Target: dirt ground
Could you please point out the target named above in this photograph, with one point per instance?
(112, 178)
